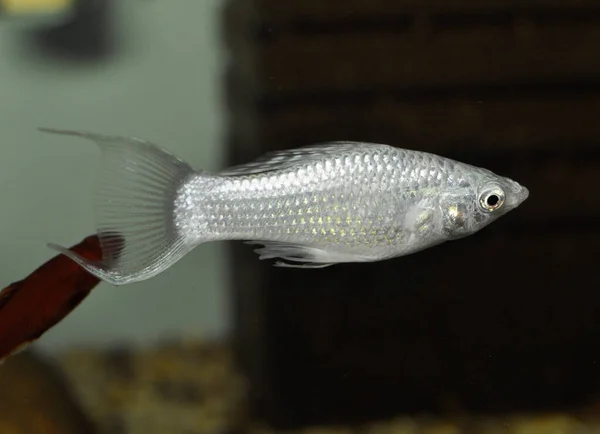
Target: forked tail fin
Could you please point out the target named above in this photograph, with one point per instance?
(134, 203)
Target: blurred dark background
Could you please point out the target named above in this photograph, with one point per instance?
(503, 321)
(500, 324)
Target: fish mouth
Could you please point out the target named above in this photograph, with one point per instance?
(524, 194)
(519, 194)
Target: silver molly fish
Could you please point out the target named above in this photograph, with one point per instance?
(310, 207)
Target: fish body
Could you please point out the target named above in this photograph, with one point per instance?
(310, 207)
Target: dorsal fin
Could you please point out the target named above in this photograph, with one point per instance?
(277, 160)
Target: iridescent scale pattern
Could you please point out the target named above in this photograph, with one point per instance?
(354, 202)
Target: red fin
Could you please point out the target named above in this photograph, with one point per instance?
(31, 306)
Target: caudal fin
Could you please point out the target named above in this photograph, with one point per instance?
(134, 203)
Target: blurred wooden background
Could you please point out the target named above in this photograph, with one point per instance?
(506, 320)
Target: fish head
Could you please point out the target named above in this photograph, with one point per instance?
(468, 209)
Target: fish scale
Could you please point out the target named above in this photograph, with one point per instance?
(328, 226)
(313, 206)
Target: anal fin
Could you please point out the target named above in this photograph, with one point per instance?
(290, 265)
(302, 256)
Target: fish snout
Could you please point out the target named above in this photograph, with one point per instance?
(519, 194)
(524, 194)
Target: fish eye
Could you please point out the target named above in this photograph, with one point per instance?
(491, 199)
